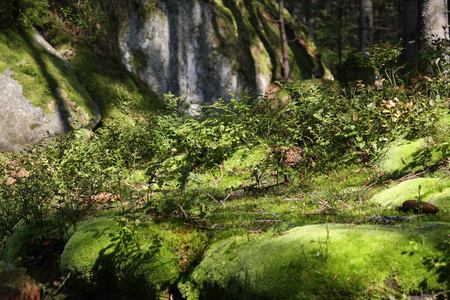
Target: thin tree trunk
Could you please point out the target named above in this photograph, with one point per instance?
(284, 47)
(410, 29)
(365, 25)
(340, 38)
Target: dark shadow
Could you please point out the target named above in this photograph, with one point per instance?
(308, 68)
(245, 59)
(261, 25)
(439, 264)
(174, 49)
(52, 83)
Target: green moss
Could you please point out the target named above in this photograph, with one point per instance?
(434, 190)
(14, 248)
(403, 157)
(116, 91)
(93, 246)
(34, 125)
(116, 254)
(331, 261)
(43, 76)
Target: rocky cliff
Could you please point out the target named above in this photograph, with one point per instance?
(203, 49)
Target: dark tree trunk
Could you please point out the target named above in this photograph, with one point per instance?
(340, 31)
(365, 25)
(410, 29)
(284, 46)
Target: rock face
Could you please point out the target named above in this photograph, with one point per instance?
(202, 48)
(39, 95)
(175, 51)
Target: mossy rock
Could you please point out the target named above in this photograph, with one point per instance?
(114, 255)
(40, 93)
(33, 246)
(433, 190)
(327, 261)
(403, 157)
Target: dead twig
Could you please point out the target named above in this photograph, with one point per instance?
(184, 213)
(221, 202)
(220, 177)
(269, 221)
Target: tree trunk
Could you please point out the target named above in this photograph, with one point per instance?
(365, 25)
(284, 46)
(410, 29)
(433, 20)
(340, 30)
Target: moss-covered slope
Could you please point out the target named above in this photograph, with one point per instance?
(433, 190)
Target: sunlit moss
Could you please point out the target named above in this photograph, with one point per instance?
(324, 261)
(433, 190)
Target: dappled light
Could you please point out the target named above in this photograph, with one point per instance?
(191, 165)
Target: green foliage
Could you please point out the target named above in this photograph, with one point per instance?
(83, 18)
(384, 59)
(433, 59)
(29, 13)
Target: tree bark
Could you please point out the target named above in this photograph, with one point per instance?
(340, 29)
(365, 25)
(284, 46)
(434, 20)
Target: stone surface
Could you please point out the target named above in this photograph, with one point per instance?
(63, 104)
(175, 51)
(206, 49)
(22, 123)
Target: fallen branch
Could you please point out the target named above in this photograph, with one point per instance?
(321, 214)
(271, 221)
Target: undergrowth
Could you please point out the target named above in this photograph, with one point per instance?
(302, 161)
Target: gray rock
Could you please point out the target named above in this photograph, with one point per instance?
(23, 123)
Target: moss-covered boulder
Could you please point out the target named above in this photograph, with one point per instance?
(39, 93)
(334, 261)
(35, 246)
(433, 190)
(402, 156)
(117, 255)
